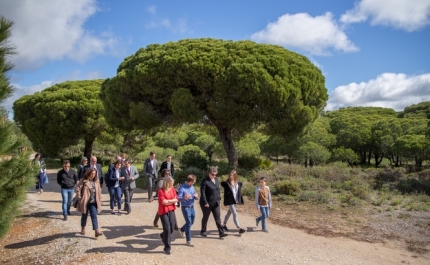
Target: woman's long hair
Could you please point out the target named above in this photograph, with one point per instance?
(232, 179)
(88, 174)
(166, 182)
(165, 172)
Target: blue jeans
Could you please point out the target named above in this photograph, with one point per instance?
(264, 214)
(92, 208)
(67, 195)
(189, 216)
(115, 193)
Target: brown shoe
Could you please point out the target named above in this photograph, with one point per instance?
(155, 224)
(83, 231)
(98, 233)
(150, 199)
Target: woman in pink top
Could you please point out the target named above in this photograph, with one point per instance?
(167, 198)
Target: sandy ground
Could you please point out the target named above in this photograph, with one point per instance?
(42, 237)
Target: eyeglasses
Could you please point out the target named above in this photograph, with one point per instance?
(213, 174)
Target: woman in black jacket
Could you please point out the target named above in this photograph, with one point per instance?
(232, 196)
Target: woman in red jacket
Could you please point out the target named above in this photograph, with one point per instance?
(167, 198)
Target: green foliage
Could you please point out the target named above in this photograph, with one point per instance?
(193, 158)
(249, 162)
(420, 110)
(414, 185)
(234, 85)
(61, 115)
(16, 175)
(287, 187)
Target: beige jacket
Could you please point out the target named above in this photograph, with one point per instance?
(83, 193)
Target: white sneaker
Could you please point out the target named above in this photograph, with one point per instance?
(190, 244)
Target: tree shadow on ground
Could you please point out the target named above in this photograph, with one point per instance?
(131, 246)
(44, 214)
(39, 241)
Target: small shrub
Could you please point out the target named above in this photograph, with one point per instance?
(249, 162)
(305, 196)
(287, 187)
(248, 190)
(414, 185)
(192, 158)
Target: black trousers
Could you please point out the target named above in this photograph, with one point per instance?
(216, 212)
(168, 222)
(128, 195)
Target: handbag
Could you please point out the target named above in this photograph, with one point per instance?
(45, 179)
(75, 202)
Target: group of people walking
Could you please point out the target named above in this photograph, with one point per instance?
(120, 180)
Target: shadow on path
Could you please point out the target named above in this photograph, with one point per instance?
(39, 241)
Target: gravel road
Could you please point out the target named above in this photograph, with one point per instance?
(42, 237)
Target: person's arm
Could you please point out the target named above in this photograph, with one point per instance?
(136, 173)
(224, 184)
(59, 177)
(270, 198)
(181, 194)
(75, 176)
(195, 194)
(257, 194)
(79, 189)
(203, 198)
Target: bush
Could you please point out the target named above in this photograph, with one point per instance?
(287, 187)
(194, 159)
(249, 162)
(414, 185)
(181, 175)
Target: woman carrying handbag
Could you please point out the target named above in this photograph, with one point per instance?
(89, 195)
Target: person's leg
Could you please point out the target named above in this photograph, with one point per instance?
(156, 218)
(127, 200)
(206, 211)
(166, 231)
(186, 212)
(93, 213)
(263, 211)
(227, 216)
(70, 193)
(232, 208)
(84, 218)
(130, 196)
(216, 212)
(118, 197)
(64, 201)
(149, 181)
(111, 191)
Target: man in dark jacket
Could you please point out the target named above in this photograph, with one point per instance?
(93, 164)
(67, 178)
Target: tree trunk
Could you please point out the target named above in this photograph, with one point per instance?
(378, 159)
(88, 148)
(369, 157)
(229, 148)
(363, 157)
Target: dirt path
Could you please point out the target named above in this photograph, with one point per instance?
(42, 237)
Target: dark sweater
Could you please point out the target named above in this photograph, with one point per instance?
(67, 180)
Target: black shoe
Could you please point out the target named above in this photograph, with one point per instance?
(64, 217)
(225, 228)
(167, 252)
(241, 230)
(161, 236)
(129, 211)
(204, 234)
(68, 213)
(223, 235)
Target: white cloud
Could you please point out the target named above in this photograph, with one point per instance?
(180, 26)
(388, 90)
(317, 35)
(29, 90)
(152, 9)
(408, 15)
(51, 30)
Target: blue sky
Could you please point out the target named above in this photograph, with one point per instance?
(372, 52)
